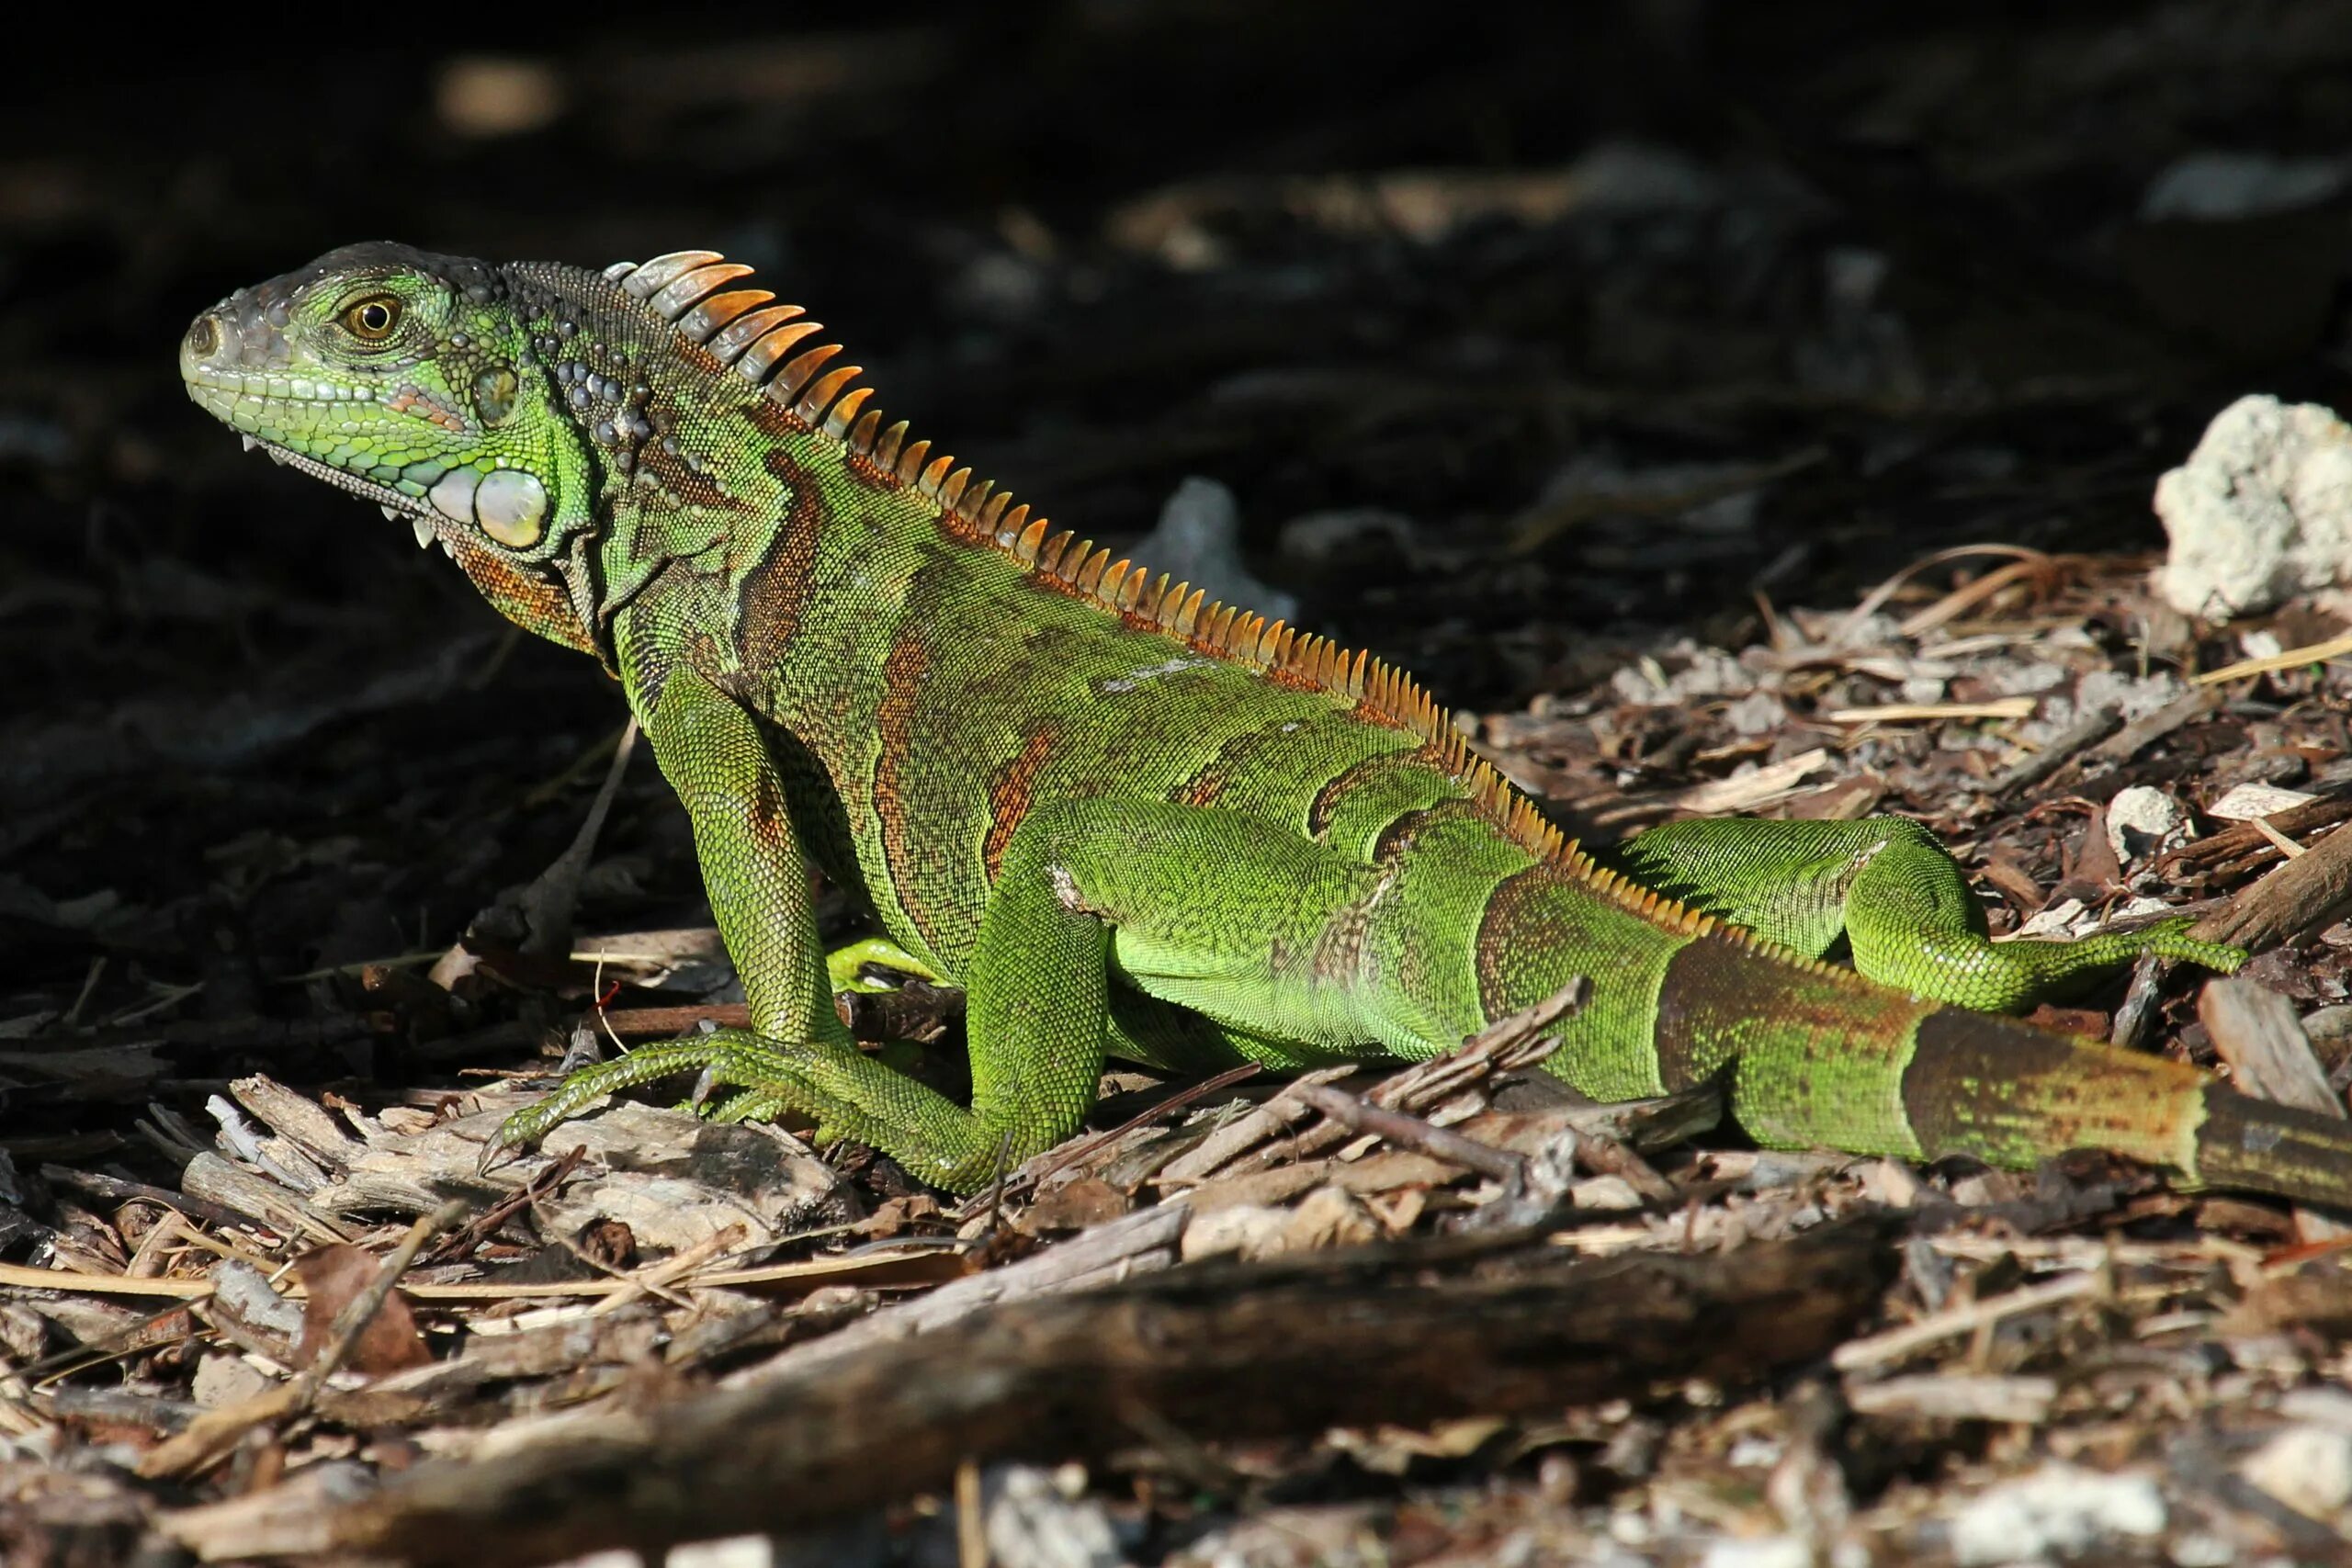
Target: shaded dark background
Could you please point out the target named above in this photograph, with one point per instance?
(1336, 257)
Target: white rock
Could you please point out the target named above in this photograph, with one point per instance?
(2201, 1548)
(1759, 713)
(223, 1380)
(1709, 672)
(2307, 1468)
(1641, 176)
(1198, 541)
(2026, 680)
(1319, 538)
(2329, 1407)
(2057, 1510)
(1031, 1522)
(2210, 185)
(1604, 1192)
(2262, 510)
(2131, 695)
(733, 1551)
(2260, 643)
(2142, 823)
(1764, 1552)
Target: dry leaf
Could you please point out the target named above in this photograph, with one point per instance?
(334, 1277)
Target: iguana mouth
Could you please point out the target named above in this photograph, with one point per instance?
(219, 389)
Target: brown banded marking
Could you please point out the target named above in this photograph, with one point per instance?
(536, 603)
(1395, 840)
(912, 856)
(1336, 956)
(773, 419)
(768, 819)
(668, 473)
(1428, 757)
(2003, 1091)
(773, 591)
(1502, 938)
(1011, 789)
(646, 669)
(1713, 1002)
(1207, 784)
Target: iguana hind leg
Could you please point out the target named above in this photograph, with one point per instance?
(1896, 895)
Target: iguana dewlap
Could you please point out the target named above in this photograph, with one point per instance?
(1125, 821)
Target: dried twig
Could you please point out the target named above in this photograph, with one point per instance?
(2303, 896)
(1878, 1349)
(1409, 1132)
(1505, 1045)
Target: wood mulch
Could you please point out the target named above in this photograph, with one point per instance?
(1730, 409)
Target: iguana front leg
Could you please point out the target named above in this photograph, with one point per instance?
(756, 873)
(1214, 910)
(1894, 894)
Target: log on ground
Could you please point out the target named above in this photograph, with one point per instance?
(1399, 1333)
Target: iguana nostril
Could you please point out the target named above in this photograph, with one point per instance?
(204, 335)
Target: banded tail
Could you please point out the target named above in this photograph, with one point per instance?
(1947, 1081)
(1821, 1057)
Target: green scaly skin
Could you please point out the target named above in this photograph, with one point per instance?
(1125, 822)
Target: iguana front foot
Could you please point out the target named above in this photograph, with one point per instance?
(581, 1088)
(845, 1092)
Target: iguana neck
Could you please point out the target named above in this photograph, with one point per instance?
(688, 459)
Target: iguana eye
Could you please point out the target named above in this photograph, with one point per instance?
(372, 319)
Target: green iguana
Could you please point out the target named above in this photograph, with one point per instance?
(1125, 821)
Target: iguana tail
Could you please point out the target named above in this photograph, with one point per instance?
(1839, 1056)
(1820, 1058)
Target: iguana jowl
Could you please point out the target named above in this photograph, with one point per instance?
(1124, 820)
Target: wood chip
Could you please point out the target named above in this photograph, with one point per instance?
(1951, 1397)
(1930, 713)
(1894, 1344)
(1746, 792)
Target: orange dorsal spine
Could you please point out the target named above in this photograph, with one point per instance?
(684, 289)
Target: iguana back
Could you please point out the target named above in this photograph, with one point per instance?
(1123, 817)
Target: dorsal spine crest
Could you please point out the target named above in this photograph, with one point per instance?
(740, 329)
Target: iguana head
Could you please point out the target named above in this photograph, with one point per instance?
(446, 390)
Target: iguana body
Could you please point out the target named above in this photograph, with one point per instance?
(1124, 821)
